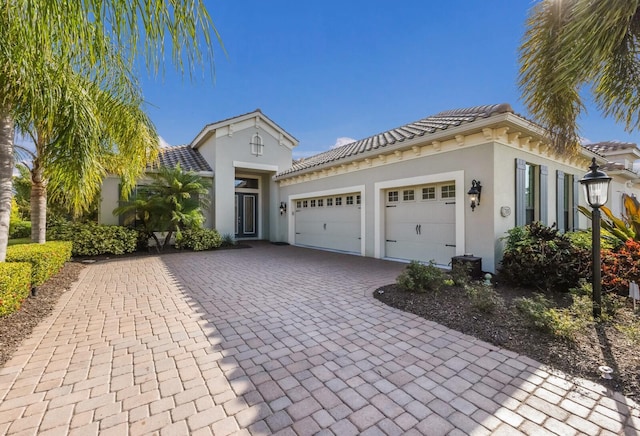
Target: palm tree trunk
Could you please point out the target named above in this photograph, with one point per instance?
(38, 205)
(6, 179)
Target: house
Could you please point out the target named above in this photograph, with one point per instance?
(399, 194)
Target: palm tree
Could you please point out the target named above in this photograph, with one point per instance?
(171, 203)
(94, 37)
(570, 44)
(76, 142)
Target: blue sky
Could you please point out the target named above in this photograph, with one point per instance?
(325, 70)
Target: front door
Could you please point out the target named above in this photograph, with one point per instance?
(246, 215)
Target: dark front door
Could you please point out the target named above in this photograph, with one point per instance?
(246, 215)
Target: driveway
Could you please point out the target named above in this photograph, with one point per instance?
(275, 339)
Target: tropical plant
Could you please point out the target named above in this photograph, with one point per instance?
(537, 256)
(559, 58)
(624, 228)
(172, 202)
(94, 38)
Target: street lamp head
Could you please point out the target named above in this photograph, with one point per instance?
(596, 186)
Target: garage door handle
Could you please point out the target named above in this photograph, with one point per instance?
(324, 226)
(391, 240)
(449, 245)
(450, 202)
(393, 205)
(298, 233)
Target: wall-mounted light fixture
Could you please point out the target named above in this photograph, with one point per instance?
(283, 208)
(474, 194)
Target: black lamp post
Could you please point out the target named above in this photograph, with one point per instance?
(596, 191)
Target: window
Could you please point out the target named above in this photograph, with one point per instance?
(565, 205)
(305, 203)
(532, 193)
(246, 183)
(357, 199)
(408, 195)
(313, 203)
(392, 196)
(257, 145)
(338, 201)
(448, 191)
(320, 202)
(429, 193)
(298, 204)
(349, 199)
(329, 201)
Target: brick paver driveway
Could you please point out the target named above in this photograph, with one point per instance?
(275, 339)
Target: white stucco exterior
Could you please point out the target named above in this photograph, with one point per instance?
(493, 149)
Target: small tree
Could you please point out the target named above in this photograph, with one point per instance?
(171, 203)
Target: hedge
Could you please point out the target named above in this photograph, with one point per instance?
(91, 239)
(46, 259)
(15, 284)
(199, 239)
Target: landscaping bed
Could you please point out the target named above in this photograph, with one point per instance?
(505, 326)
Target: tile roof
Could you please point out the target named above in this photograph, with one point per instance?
(190, 159)
(438, 122)
(604, 147)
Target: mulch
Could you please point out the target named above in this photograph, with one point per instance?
(506, 327)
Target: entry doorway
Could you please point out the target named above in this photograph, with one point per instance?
(246, 215)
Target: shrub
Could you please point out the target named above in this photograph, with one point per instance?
(46, 259)
(91, 239)
(539, 256)
(15, 283)
(461, 274)
(199, 239)
(19, 229)
(483, 298)
(621, 266)
(583, 239)
(228, 240)
(563, 323)
(418, 277)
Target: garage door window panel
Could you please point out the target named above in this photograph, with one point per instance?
(448, 191)
(338, 201)
(392, 196)
(429, 193)
(329, 202)
(408, 195)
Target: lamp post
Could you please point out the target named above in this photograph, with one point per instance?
(596, 191)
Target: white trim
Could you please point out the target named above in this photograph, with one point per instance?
(254, 166)
(326, 193)
(379, 205)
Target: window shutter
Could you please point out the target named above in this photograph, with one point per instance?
(544, 195)
(560, 200)
(520, 184)
(575, 202)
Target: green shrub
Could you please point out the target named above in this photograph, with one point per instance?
(418, 277)
(19, 229)
(199, 239)
(461, 274)
(583, 239)
(483, 298)
(563, 323)
(15, 284)
(46, 259)
(538, 256)
(91, 239)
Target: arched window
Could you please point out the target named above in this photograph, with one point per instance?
(257, 145)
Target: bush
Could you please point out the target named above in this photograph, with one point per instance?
(91, 239)
(15, 284)
(46, 259)
(228, 240)
(19, 229)
(539, 256)
(621, 266)
(199, 239)
(583, 239)
(563, 323)
(418, 277)
(483, 298)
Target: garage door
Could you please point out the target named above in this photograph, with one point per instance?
(420, 223)
(329, 222)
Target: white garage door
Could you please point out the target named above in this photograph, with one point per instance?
(420, 223)
(329, 222)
